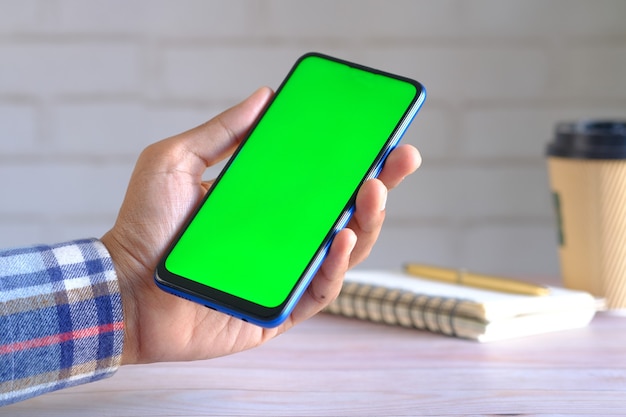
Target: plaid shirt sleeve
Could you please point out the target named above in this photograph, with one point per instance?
(61, 321)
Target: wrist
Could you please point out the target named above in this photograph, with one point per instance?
(123, 271)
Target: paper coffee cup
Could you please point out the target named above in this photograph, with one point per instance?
(587, 167)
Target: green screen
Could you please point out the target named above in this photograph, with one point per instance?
(267, 216)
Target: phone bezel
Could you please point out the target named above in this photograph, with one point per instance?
(273, 316)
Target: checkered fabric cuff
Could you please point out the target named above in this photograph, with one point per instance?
(61, 320)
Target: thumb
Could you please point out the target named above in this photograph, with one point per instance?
(214, 140)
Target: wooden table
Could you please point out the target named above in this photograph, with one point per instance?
(342, 367)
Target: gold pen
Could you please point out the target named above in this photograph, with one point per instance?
(454, 276)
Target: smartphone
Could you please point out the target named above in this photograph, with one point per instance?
(266, 224)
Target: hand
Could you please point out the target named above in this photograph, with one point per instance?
(164, 189)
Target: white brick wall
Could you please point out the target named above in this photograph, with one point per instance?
(85, 85)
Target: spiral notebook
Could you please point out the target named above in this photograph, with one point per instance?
(398, 299)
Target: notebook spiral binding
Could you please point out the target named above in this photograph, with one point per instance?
(395, 306)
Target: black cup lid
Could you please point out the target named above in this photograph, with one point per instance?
(593, 139)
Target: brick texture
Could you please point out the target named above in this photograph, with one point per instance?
(85, 85)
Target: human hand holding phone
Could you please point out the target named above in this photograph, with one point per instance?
(164, 189)
(254, 244)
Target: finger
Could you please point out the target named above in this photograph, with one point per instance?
(206, 185)
(214, 140)
(369, 211)
(368, 218)
(402, 161)
(326, 285)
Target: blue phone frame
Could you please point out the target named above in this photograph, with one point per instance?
(285, 309)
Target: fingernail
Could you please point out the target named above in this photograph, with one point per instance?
(384, 202)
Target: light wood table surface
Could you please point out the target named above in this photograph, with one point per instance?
(343, 367)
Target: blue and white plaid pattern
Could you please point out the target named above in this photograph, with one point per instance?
(61, 320)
